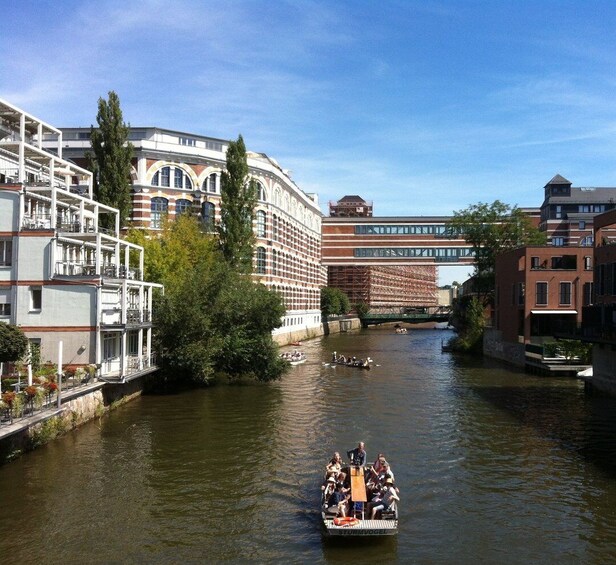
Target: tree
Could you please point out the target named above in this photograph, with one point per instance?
(13, 343)
(334, 302)
(111, 161)
(468, 319)
(492, 229)
(238, 200)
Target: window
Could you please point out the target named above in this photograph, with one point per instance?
(6, 252)
(587, 294)
(210, 184)
(260, 223)
(36, 298)
(188, 141)
(534, 262)
(5, 309)
(582, 225)
(159, 207)
(260, 191)
(208, 215)
(261, 260)
(541, 293)
(182, 206)
(177, 180)
(558, 241)
(558, 212)
(588, 263)
(564, 295)
(583, 208)
(165, 174)
(586, 241)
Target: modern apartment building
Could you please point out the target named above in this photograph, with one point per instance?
(599, 319)
(63, 278)
(175, 172)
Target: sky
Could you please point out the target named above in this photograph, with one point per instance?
(421, 107)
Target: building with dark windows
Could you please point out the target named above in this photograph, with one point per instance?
(599, 319)
(70, 286)
(541, 291)
(175, 172)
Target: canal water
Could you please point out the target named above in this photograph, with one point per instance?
(493, 465)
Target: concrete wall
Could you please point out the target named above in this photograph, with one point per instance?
(332, 327)
(494, 346)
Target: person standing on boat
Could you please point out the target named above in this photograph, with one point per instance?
(357, 456)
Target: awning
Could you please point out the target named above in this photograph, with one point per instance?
(553, 311)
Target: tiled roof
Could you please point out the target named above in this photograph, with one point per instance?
(558, 179)
(351, 199)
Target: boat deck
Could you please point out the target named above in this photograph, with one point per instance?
(363, 528)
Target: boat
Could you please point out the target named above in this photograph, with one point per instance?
(353, 363)
(296, 343)
(358, 522)
(401, 330)
(295, 358)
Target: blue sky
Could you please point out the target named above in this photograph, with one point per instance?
(421, 107)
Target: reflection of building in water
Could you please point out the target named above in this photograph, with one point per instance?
(62, 277)
(176, 173)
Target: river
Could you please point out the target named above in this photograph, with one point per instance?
(493, 465)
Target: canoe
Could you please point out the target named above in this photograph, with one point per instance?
(358, 523)
(351, 365)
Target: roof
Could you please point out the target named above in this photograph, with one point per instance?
(599, 195)
(558, 179)
(351, 199)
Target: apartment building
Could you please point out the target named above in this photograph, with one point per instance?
(176, 172)
(599, 319)
(64, 279)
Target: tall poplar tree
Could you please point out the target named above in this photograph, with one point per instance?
(238, 200)
(111, 159)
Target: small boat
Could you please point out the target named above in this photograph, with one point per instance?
(358, 522)
(401, 330)
(295, 343)
(352, 362)
(295, 358)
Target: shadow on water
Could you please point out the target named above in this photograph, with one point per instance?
(557, 408)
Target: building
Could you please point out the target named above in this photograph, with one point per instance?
(567, 212)
(350, 207)
(64, 279)
(176, 172)
(599, 319)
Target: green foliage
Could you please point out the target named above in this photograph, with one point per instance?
(362, 309)
(492, 229)
(216, 320)
(334, 302)
(111, 161)
(13, 343)
(172, 255)
(238, 200)
(468, 320)
(572, 350)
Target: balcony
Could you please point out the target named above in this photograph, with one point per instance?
(37, 222)
(83, 269)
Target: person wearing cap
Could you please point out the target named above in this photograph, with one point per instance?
(388, 499)
(357, 456)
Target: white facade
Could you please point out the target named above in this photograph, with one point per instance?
(62, 278)
(175, 172)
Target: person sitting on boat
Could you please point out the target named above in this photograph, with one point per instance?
(387, 501)
(338, 502)
(357, 456)
(328, 488)
(334, 467)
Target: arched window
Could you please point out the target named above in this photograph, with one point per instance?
(260, 191)
(260, 223)
(159, 207)
(210, 184)
(182, 206)
(208, 215)
(181, 178)
(260, 260)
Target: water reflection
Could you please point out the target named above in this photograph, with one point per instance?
(493, 465)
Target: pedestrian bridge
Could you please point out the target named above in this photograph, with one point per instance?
(414, 316)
